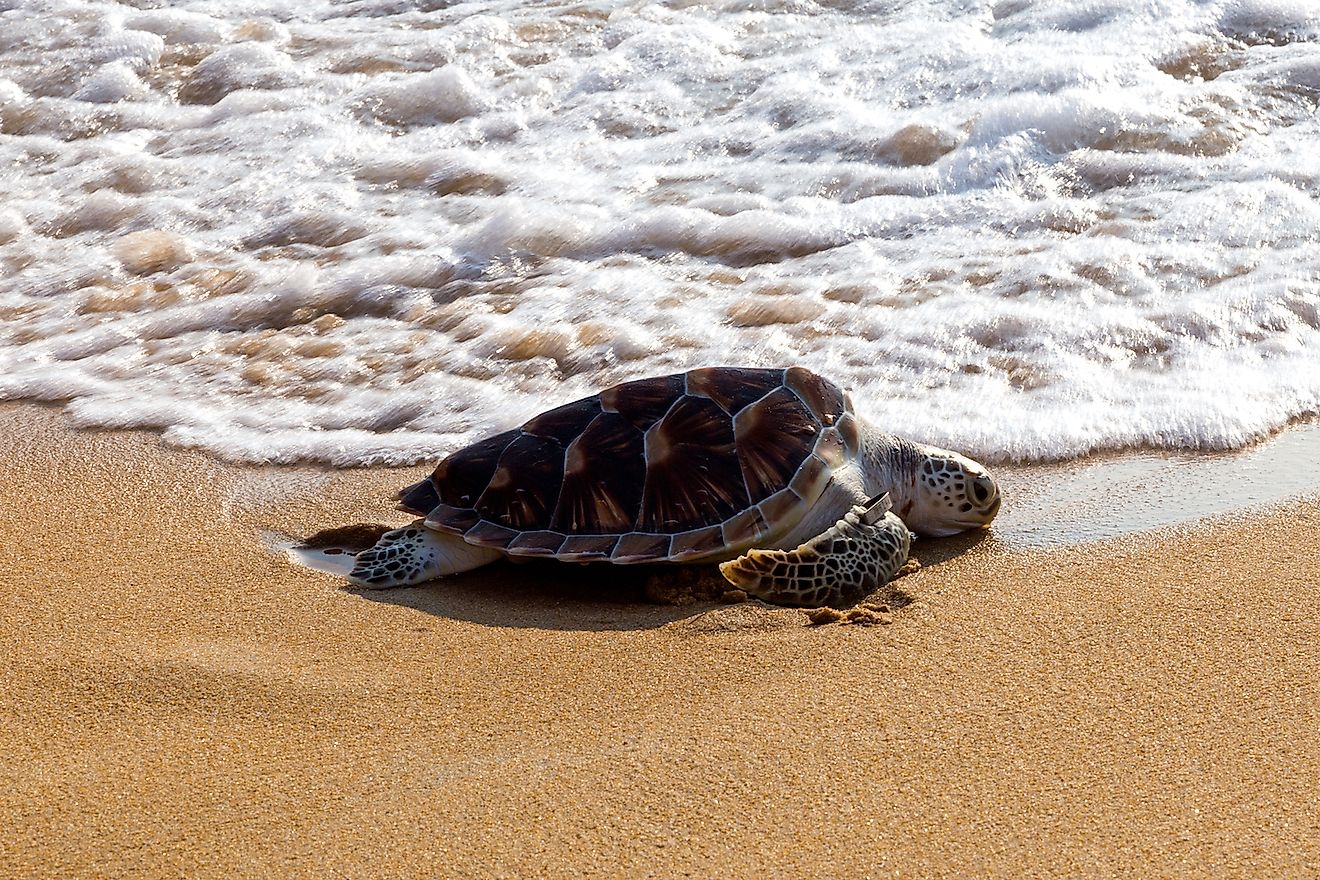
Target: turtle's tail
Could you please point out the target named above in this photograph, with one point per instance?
(415, 554)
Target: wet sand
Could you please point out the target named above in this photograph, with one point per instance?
(179, 700)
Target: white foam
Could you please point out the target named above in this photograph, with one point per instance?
(444, 95)
(113, 82)
(371, 231)
(12, 225)
(136, 49)
(180, 27)
(247, 65)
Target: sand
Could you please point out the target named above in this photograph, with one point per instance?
(177, 700)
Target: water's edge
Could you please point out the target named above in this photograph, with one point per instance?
(1109, 496)
(1046, 506)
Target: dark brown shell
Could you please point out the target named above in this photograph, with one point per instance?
(697, 465)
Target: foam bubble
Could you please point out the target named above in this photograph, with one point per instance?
(1273, 22)
(12, 225)
(113, 82)
(135, 49)
(444, 95)
(151, 251)
(103, 210)
(180, 26)
(240, 66)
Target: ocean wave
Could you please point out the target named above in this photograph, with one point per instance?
(369, 232)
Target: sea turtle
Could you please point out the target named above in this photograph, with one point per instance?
(702, 466)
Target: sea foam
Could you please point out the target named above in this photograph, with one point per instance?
(373, 231)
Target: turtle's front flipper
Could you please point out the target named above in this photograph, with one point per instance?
(840, 565)
(415, 554)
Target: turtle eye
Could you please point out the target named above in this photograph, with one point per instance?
(982, 488)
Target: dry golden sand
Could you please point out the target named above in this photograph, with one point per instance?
(177, 701)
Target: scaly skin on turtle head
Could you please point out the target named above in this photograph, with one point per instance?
(950, 494)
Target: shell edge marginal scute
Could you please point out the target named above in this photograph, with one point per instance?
(451, 519)
(850, 429)
(832, 448)
(812, 476)
(775, 510)
(636, 548)
(697, 543)
(526, 544)
(588, 548)
(745, 530)
(489, 534)
(798, 379)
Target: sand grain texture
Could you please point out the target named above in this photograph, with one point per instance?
(179, 701)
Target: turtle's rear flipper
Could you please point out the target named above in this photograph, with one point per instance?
(860, 552)
(415, 554)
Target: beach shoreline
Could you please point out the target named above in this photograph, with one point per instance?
(181, 699)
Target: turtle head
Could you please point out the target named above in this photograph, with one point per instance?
(950, 494)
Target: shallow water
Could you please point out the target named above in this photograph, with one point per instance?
(1138, 492)
(371, 231)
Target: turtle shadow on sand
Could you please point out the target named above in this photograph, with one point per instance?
(544, 595)
(601, 597)
(537, 594)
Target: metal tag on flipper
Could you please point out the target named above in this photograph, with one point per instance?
(876, 509)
